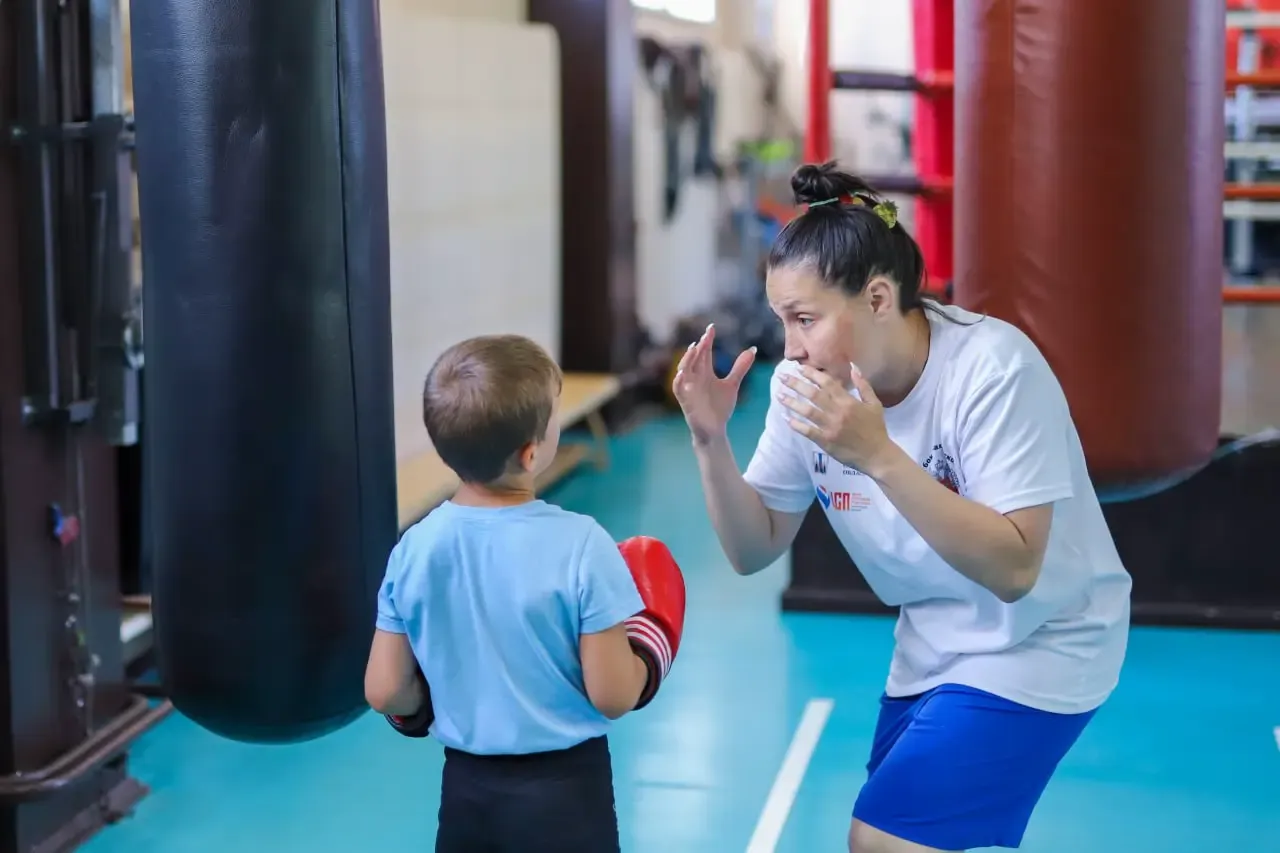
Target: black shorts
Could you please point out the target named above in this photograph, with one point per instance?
(546, 802)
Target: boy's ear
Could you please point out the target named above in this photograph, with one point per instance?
(526, 456)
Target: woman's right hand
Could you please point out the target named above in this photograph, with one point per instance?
(706, 400)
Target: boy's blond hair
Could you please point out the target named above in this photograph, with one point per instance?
(484, 399)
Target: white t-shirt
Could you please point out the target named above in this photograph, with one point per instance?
(989, 419)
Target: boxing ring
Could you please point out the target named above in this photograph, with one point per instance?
(1087, 198)
(933, 84)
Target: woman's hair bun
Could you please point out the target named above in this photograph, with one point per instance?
(812, 183)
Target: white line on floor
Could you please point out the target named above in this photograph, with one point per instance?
(785, 785)
(1277, 734)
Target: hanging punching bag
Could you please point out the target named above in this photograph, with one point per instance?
(269, 438)
(1088, 211)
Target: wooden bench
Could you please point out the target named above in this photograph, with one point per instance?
(424, 481)
(135, 627)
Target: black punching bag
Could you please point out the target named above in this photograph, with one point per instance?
(269, 441)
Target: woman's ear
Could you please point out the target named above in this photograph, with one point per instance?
(882, 297)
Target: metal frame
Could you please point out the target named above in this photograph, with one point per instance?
(66, 714)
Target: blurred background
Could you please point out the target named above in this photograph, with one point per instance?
(605, 177)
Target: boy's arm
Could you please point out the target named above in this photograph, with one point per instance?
(392, 681)
(613, 673)
(626, 649)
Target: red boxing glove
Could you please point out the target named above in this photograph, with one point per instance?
(654, 632)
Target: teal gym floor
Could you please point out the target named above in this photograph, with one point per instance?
(1184, 759)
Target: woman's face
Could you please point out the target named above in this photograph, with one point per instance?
(827, 329)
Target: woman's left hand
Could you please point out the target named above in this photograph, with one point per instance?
(852, 431)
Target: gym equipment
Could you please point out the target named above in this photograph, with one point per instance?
(269, 443)
(1106, 247)
(1252, 51)
(655, 632)
(933, 83)
(762, 165)
(931, 148)
(66, 405)
(681, 76)
(1045, 138)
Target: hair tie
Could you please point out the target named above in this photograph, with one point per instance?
(883, 208)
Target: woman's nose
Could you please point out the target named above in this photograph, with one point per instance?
(792, 350)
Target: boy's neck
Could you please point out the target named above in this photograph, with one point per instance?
(518, 491)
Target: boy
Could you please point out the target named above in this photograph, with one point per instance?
(527, 619)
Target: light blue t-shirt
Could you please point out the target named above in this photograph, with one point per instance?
(493, 600)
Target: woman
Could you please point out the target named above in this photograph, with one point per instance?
(941, 447)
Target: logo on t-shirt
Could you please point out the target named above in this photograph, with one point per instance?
(841, 501)
(941, 465)
(822, 460)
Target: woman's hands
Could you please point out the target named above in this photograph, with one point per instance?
(852, 431)
(706, 400)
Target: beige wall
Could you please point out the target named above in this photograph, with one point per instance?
(473, 159)
(514, 11)
(677, 261)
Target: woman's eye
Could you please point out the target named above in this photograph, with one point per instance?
(805, 321)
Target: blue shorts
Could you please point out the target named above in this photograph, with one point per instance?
(957, 768)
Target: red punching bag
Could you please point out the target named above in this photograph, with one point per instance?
(1088, 210)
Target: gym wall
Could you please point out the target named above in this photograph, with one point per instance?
(676, 260)
(513, 11)
(473, 153)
